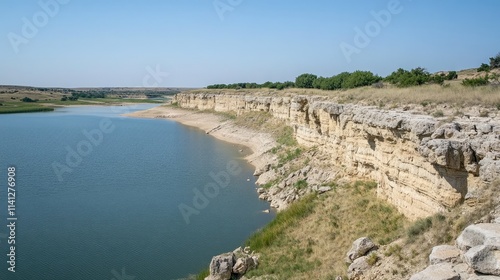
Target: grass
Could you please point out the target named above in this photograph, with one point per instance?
(204, 273)
(283, 221)
(311, 241)
(19, 107)
(301, 184)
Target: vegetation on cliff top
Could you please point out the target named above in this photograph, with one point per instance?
(345, 80)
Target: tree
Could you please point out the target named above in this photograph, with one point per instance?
(483, 68)
(27, 99)
(360, 79)
(404, 78)
(452, 75)
(305, 81)
(495, 61)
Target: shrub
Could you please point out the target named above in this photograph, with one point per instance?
(438, 114)
(483, 68)
(452, 75)
(27, 99)
(301, 184)
(438, 79)
(305, 81)
(475, 82)
(495, 61)
(372, 259)
(360, 79)
(405, 78)
(419, 227)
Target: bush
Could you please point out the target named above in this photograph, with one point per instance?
(419, 227)
(29, 100)
(475, 82)
(301, 184)
(305, 81)
(360, 79)
(483, 68)
(372, 259)
(452, 75)
(495, 61)
(405, 78)
(438, 79)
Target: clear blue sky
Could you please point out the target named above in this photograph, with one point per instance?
(112, 43)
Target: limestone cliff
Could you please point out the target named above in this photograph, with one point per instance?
(423, 165)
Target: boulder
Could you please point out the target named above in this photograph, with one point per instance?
(262, 169)
(480, 234)
(358, 268)
(243, 265)
(360, 248)
(484, 259)
(443, 271)
(221, 267)
(444, 253)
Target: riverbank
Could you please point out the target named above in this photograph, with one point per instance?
(329, 147)
(223, 129)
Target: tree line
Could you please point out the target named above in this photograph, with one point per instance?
(346, 80)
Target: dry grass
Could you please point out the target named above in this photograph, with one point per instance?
(315, 248)
(453, 94)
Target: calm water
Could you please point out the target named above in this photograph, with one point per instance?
(115, 214)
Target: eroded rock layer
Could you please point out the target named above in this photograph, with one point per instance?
(422, 165)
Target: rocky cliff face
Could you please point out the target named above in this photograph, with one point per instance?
(422, 165)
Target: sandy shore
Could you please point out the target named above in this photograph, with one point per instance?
(258, 142)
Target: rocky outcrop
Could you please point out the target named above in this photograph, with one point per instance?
(232, 265)
(358, 257)
(422, 166)
(475, 256)
(360, 247)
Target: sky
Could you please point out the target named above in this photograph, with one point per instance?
(194, 43)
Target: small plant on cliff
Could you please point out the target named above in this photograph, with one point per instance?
(372, 259)
(438, 114)
(285, 136)
(289, 156)
(419, 227)
(301, 184)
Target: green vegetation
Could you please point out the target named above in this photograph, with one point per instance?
(28, 100)
(475, 82)
(483, 68)
(419, 227)
(401, 78)
(372, 259)
(285, 136)
(203, 274)
(301, 184)
(300, 242)
(405, 78)
(283, 221)
(495, 61)
(305, 81)
(24, 109)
